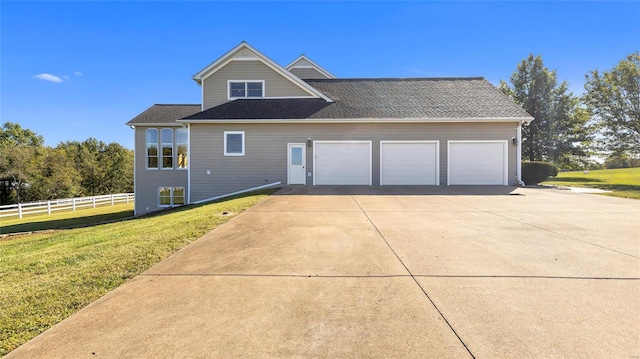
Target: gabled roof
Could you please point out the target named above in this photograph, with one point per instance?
(245, 52)
(164, 114)
(304, 62)
(428, 99)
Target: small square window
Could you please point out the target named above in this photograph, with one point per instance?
(237, 89)
(234, 143)
(254, 89)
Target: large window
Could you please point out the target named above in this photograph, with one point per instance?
(182, 147)
(151, 139)
(170, 196)
(246, 89)
(234, 143)
(167, 148)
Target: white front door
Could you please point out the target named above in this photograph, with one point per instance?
(297, 159)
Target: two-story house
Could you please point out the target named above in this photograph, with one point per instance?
(262, 124)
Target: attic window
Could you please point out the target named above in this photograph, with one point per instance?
(246, 89)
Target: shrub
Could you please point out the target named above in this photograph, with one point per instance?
(536, 172)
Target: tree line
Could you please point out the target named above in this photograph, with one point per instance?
(571, 130)
(31, 171)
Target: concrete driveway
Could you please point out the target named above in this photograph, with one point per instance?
(370, 272)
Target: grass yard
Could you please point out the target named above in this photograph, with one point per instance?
(46, 277)
(624, 182)
(81, 217)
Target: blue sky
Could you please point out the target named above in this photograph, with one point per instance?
(102, 63)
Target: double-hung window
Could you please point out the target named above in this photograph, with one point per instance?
(166, 143)
(245, 89)
(151, 139)
(170, 196)
(234, 143)
(182, 147)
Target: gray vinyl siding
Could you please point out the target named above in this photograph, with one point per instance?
(308, 73)
(148, 181)
(215, 86)
(265, 159)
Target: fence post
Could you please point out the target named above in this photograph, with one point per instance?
(127, 198)
(20, 210)
(74, 204)
(112, 200)
(48, 207)
(93, 200)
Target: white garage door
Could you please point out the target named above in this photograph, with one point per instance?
(409, 163)
(477, 163)
(342, 163)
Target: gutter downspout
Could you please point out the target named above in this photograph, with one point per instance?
(519, 155)
(189, 157)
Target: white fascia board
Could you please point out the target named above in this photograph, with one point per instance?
(315, 66)
(228, 57)
(360, 120)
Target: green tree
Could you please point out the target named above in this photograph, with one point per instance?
(559, 132)
(18, 150)
(54, 176)
(614, 98)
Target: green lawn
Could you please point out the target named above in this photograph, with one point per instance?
(65, 219)
(46, 277)
(624, 182)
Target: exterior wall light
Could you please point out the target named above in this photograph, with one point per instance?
(514, 141)
(309, 142)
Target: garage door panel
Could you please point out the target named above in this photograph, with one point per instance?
(409, 163)
(342, 163)
(477, 163)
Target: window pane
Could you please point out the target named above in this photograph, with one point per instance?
(296, 156)
(152, 156)
(152, 135)
(182, 156)
(178, 195)
(254, 89)
(167, 135)
(181, 135)
(234, 143)
(167, 157)
(152, 150)
(237, 89)
(165, 196)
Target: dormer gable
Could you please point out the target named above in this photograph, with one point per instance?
(246, 73)
(304, 68)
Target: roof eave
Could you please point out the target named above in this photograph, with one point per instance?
(364, 120)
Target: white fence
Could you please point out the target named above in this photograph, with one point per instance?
(22, 209)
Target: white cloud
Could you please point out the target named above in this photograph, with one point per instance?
(48, 77)
(78, 73)
(66, 77)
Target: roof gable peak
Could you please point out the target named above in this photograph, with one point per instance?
(246, 52)
(304, 62)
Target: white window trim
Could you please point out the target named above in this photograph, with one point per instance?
(146, 150)
(264, 90)
(161, 155)
(225, 142)
(171, 188)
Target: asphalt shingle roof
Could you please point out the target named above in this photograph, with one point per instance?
(164, 114)
(420, 98)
